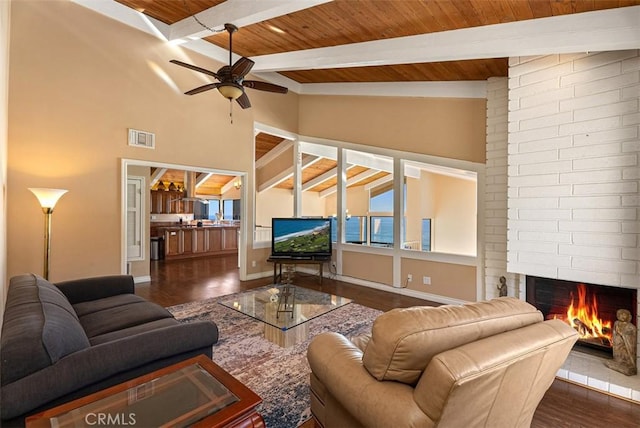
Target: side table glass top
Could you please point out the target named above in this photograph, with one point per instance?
(282, 308)
(177, 399)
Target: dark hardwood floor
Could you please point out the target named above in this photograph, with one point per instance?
(565, 405)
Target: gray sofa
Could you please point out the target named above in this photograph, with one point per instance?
(64, 341)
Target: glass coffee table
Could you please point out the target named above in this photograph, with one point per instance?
(195, 392)
(285, 310)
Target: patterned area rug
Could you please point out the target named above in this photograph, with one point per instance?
(279, 375)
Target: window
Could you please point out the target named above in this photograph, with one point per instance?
(382, 231)
(355, 229)
(440, 209)
(425, 238)
(381, 199)
(231, 209)
(206, 210)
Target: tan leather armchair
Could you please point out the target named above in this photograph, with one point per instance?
(485, 364)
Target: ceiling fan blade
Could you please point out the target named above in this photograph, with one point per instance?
(264, 86)
(243, 100)
(241, 68)
(195, 68)
(202, 88)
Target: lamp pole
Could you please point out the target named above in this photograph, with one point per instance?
(48, 199)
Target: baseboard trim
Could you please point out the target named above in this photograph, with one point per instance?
(402, 291)
(139, 279)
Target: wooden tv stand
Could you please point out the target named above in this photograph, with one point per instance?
(279, 261)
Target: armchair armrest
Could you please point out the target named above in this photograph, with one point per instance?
(86, 289)
(337, 363)
(96, 363)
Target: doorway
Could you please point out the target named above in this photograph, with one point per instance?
(178, 204)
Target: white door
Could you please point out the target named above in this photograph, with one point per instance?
(135, 249)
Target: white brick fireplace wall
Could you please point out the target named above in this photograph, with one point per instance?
(573, 167)
(563, 178)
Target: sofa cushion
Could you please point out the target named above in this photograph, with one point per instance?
(89, 307)
(403, 341)
(102, 317)
(40, 327)
(131, 331)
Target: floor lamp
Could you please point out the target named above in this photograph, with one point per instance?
(48, 199)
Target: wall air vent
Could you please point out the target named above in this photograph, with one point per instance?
(142, 139)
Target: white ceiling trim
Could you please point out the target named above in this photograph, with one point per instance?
(159, 172)
(612, 29)
(378, 182)
(285, 175)
(282, 147)
(319, 179)
(458, 89)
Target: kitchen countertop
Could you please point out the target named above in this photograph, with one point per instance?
(204, 226)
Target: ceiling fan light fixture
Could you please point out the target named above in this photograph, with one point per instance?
(230, 90)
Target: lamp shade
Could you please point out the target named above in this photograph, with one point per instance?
(47, 197)
(231, 91)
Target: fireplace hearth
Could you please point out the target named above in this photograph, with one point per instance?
(589, 308)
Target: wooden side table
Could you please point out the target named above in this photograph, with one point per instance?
(278, 262)
(195, 392)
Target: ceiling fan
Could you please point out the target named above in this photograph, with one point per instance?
(231, 77)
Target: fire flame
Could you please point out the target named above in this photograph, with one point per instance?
(584, 317)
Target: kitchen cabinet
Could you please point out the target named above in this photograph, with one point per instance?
(172, 241)
(230, 238)
(199, 240)
(169, 202)
(215, 239)
(186, 241)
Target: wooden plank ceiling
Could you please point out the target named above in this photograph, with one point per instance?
(343, 22)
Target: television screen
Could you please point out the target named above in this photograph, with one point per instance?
(303, 237)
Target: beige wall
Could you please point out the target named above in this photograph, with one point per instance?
(271, 203)
(446, 127)
(370, 267)
(447, 279)
(5, 12)
(454, 227)
(75, 89)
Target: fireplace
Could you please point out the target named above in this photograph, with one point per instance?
(589, 308)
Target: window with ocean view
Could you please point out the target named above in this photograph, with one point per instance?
(382, 231)
(355, 230)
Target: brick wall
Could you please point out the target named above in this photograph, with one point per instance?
(573, 168)
(495, 233)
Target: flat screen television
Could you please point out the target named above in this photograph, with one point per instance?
(301, 237)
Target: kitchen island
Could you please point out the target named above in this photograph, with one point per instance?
(186, 241)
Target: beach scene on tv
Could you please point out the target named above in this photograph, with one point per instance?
(307, 236)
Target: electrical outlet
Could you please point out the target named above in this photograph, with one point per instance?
(426, 280)
(409, 278)
(253, 263)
